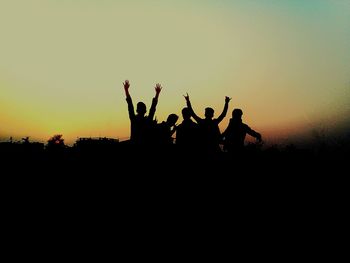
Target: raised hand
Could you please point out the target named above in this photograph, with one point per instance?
(126, 85)
(187, 97)
(227, 99)
(158, 88)
(126, 88)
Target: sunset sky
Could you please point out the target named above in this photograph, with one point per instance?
(285, 63)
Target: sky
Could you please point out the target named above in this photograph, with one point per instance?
(285, 63)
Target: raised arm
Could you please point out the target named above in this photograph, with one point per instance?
(158, 89)
(224, 112)
(126, 88)
(189, 106)
(152, 110)
(129, 100)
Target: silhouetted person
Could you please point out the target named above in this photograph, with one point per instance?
(141, 125)
(235, 133)
(165, 130)
(187, 132)
(209, 132)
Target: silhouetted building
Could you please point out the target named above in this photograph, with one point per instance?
(88, 144)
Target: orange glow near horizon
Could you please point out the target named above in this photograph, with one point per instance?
(286, 64)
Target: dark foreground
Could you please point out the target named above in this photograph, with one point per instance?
(113, 164)
(280, 194)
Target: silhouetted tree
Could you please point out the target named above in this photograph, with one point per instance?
(56, 142)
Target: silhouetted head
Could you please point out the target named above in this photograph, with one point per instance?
(172, 119)
(186, 113)
(141, 108)
(209, 113)
(237, 114)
